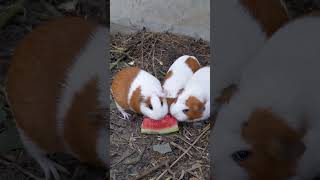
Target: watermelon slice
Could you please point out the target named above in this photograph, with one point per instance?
(164, 126)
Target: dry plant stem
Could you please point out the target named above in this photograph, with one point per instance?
(182, 174)
(123, 158)
(195, 175)
(51, 8)
(142, 40)
(10, 12)
(113, 65)
(181, 148)
(135, 160)
(198, 138)
(184, 140)
(151, 170)
(284, 5)
(7, 163)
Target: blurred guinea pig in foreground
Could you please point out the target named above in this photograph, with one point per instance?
(179, 73)
(241, 29)
(193, 103)
(137, 90)
(56, 87)
(271, 127)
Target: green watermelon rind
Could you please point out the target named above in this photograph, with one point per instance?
(172, 129)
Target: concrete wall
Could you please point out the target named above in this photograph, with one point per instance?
(188, 17)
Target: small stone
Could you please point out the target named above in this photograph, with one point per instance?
(162, 148)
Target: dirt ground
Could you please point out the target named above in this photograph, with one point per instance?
(132, 154)
(17, 18)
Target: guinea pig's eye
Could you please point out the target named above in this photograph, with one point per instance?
(150, 106)
(185, 110)
(202, 109)
(241, 155)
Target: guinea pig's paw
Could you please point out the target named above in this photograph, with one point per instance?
(51, 168)
(125, 115)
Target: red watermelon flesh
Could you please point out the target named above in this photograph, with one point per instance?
(164, 126)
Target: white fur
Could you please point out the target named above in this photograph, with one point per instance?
(49, 167)
(284, 76)
(236, 38)
(150, 87)
(198, 86)
(181, 73)
(88, 65)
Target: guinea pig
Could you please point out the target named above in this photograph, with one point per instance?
(135, 89)
(178, 75)
(57, 90)
(270, 128)
(241, 28)
(193, 104)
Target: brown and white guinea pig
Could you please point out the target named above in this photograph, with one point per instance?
(241, 28)
(135, 89)
(56, 87)
(179, 73)
(193, 103)
(270, 129)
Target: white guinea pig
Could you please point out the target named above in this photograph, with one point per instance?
(56, 88)
(137, 90)
(178, 75)
(193, 104)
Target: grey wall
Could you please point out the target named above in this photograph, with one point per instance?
(188, 17)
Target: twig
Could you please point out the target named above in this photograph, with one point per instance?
(181, 148)
(10, 12)
(153, 50)
(20, 169)
(151, 170)
(113, 65)
(198, 138)
(142, 52)
(284, 5)
(51, 8)
(123, 158)
(135, 160)
(195, 175)
(184, 140)
(182, 174)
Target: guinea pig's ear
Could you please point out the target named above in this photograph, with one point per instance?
(180, 91)
(203, 108)
(141, 99)
(286, 150)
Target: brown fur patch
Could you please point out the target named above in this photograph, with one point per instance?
(276, 146)
(37, 69)
(136, 99)
(168, 75)
(195, 108)
(193, 64)
(270, 14)
(148, 102)
(171, 100)
(121, 84)
(81, 127)
(226, 94)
